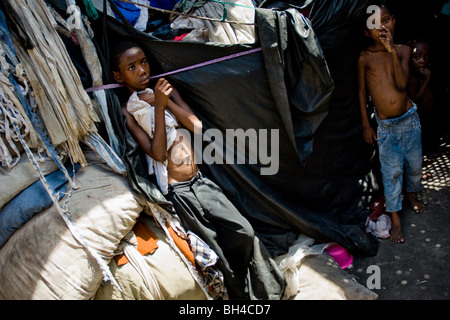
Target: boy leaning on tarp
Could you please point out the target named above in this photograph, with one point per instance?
(153, 117)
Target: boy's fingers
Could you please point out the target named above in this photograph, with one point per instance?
(161, 82)
(167, 88)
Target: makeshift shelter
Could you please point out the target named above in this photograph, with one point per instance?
(289, 82)
(288, 86)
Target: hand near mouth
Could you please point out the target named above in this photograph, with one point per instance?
(387, 40)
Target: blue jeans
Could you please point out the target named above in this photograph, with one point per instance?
(400, 148)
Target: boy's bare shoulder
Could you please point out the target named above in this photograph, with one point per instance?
(403, 50)
(403, 47)
(364, 53)
(365, 56)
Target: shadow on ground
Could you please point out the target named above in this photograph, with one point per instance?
(419, 268)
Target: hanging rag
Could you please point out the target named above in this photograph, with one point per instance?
(217, 31)
(49, 62)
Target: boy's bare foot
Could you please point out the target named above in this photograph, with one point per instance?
(396, 228)
(416, 205)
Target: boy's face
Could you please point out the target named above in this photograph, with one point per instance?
(419, 56)
(387, 22)
(134, 70)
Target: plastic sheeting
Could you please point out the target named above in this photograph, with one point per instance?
(323, 179)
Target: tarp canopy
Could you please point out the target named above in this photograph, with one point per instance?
(324, 181)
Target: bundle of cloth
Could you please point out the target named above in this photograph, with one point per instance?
(240, 12)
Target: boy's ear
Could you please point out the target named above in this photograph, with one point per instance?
(117, 76)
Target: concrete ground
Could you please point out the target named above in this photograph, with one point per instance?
(417, 269)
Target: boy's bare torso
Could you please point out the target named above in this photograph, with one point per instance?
(388, 100)
(181, 165)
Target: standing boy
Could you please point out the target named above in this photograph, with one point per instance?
(383, 73)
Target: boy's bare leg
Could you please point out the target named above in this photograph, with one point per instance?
(396, 228)
(416, 205)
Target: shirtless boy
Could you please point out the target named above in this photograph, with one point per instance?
(383, 74)
(202, 207)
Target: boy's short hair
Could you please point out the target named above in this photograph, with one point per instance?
(119, 50)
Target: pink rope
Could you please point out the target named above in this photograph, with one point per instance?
(195, 66)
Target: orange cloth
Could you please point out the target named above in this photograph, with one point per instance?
(146, 241)
(182, 245)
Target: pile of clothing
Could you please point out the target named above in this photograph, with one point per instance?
(202, 21)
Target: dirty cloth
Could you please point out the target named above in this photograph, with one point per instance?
(44, 260)
(146, 242)
(380, 227)
(135, 14)
(30, 201)
(130, 248)
(52, 73)
(174, 279)
(212, 31)
(20, 101)
(206, 259)
(85, 35)
(290, 262)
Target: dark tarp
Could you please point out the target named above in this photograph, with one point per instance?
(323, 181)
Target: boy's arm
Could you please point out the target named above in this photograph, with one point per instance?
(400, 58)
(181, 110)
(156, 147)
(368, 132)
(162, 91)
(149, 146)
